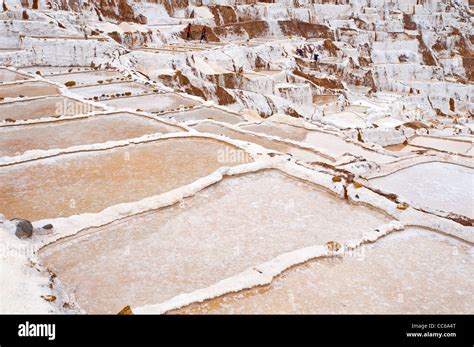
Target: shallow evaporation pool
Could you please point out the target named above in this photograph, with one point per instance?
(441, 186)
(28, 89)
(112, 90)
(203, 113)
(329, 144)
(55, 106)
(236, 224)
(346, 120)
(15, 140)
(321, 100)
(152, 103)
(442, 144)
(53, 70)
(11, 76)
(297, 152)
(412, 271)
(88, 77)
(71, 184)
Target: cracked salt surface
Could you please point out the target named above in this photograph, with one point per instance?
(442, 186)
(16, 140)
(223, 230)
(72, 184)
(412, 271)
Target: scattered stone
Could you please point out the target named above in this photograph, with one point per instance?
(333, 246)
(127, 310)
(402, 206)
(357, 185)
(48, 226)
(10, 120)
(49, 298)
(24, 229)
(70, 84)
(38, 73)
(337, 179)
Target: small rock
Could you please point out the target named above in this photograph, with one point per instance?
(49, 298)
(127, 310)
(402, 206)
(48, 226)
(336, 179)
(70, 83)
(24, 229)
(9, 120)
(333, 246)
(357, 185)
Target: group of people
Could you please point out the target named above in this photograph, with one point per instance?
(189, 35)
(305, 49)
(302, 51)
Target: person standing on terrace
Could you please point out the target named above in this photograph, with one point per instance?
(188, 31)
(203, 34)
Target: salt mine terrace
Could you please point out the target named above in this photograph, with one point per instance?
(43, 107)
(83, 78)
(113, 90)
(139, 170)
(28, 89)
(15, 140)
(341, 206)
(297, 152)
(260, 215)
(440, 186)
(203, 113)
(11, 76)
(426, 280)
(153, 103)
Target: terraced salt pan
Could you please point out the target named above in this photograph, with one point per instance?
(223, 230)
(326, 143)
(152, 103)
(447, 145)
(441, 186)
(91, 181)
(112, 89)
(87, 77)
(43, 108)
(15, 140)
(55, 70)
(205, 113)
(413, 271)
(297, 152)
(346, 120)
(11, 76)
(28, 89)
